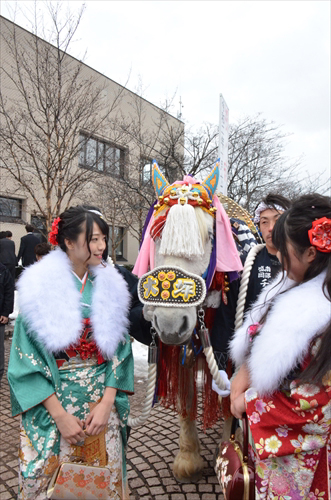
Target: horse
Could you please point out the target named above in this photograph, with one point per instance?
(187, 243)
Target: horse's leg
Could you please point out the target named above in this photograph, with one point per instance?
(188, 463)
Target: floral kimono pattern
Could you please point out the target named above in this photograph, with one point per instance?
(78, 381)
(291, 432)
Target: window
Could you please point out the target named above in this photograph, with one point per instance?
(39, 223)
(118, 242)
(101, 156)
(10, 209)
(146, 170)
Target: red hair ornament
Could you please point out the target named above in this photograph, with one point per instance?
(52, 237)
(320, 234)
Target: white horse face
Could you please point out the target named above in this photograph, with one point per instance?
(175, 325)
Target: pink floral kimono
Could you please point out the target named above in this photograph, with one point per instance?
(291, 432)
(290, 421)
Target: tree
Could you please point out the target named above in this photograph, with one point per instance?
(46, 100)
(153, 135)
(256, 164)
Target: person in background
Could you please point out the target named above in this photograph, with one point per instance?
(41, 250)
(7, 251)
(7, 287)
(27, 246)
(284, 351)
(266, 264)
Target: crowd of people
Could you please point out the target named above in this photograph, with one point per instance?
(71, 384)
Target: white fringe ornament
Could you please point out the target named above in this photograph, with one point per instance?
(181, 234)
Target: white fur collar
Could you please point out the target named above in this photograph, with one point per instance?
(295, 318)
(50, 304)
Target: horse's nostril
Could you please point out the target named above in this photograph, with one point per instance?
(184, 326)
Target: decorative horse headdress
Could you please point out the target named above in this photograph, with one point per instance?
(176, 201)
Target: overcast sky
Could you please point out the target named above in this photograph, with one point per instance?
(268, 57)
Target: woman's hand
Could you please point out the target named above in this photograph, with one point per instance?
(240, 383)
(70, 427)
(97, 419)
(238, 406)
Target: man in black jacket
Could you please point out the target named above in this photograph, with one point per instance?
(139, 327)
(264, 269)
(28, 243)
(7, 252)
(266, 264)
(6, 308)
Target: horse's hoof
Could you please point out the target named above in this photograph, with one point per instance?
(188, 468)
(192, 479)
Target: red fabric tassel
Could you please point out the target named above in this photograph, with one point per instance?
(157, 226)
(174, 383)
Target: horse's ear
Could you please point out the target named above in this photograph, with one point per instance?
(211, 182)
(159, 181)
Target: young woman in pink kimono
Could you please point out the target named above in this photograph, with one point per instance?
(284, 350)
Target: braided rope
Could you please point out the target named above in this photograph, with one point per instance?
(244, 284)
(213, 367)
(151, 383)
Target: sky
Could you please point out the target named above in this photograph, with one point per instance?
(268, 57)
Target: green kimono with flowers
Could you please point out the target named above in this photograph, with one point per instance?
(35, 374)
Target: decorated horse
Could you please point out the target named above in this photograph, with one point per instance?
(188, 264)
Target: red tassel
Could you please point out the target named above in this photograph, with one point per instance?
(174, 382)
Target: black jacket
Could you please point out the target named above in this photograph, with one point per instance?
(139, 327)
(7, 252)
(7, 288)
(26, 251)
(264, 269)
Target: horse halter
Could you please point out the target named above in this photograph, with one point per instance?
(171, 286)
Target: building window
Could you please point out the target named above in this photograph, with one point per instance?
(101, 156)
(10, 209)
(118, 241)
(39, 223)
(146, 170)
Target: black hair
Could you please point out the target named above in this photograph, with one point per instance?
(29, 228)
(71, 225)
(273, 199)
(9, 234)
(293, 226)
(42, 249)
(2, 235)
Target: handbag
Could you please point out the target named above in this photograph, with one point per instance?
(75, 480)
(234, 469)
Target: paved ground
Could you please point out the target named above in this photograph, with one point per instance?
(151, 451)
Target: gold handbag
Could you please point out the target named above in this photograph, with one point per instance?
(74, 480)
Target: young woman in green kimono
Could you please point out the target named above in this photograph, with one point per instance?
(71, 365)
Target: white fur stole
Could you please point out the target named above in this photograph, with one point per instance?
(296, 317)
(51, 304)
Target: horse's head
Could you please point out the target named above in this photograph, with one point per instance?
(182, 230)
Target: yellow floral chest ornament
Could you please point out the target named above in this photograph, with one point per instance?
(171, 286)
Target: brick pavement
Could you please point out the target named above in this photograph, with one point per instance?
(151, 451)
